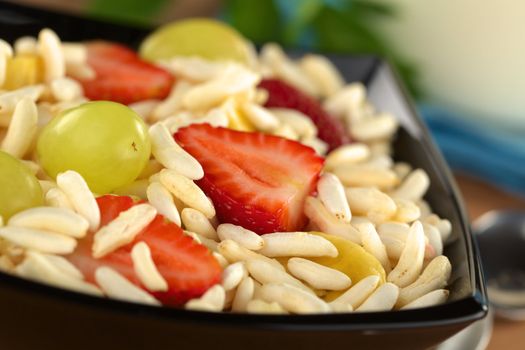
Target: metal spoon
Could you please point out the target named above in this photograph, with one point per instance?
(501, 240)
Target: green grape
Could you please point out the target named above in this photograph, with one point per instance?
(106, 142)
(19, 188)
(206, 38)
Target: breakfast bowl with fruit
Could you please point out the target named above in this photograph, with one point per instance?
(195, 192)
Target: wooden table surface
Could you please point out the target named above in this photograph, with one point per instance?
(480, 198)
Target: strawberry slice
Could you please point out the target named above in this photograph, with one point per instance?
(188, 267)
(255, 180)
(283, 95)
(122, 76)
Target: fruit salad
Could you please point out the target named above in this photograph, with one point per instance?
(198, 173)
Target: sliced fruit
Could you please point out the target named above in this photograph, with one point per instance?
(188, 267)
(203, 37)
(236, 118)
(107, 157)
(122, 76)
(22, 70)
(19, 188)
(283, 95)
(255, 180)
(353, 260)
(237, 121)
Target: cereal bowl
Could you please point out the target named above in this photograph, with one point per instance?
(47, 317)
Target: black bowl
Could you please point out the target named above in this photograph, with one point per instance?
(35, 316)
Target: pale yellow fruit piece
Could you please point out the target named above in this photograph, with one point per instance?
(23, 70)
(238, 121)
(353, 260)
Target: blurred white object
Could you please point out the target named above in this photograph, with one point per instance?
(476, 336)
(469, 53)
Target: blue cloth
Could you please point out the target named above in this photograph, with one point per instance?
(485, 151)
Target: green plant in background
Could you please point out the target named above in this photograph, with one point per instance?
(134, 12)
(337, 26)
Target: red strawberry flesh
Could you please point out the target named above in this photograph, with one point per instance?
(283, 95)
(188, 267)
(255, 180)
(122, 76)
